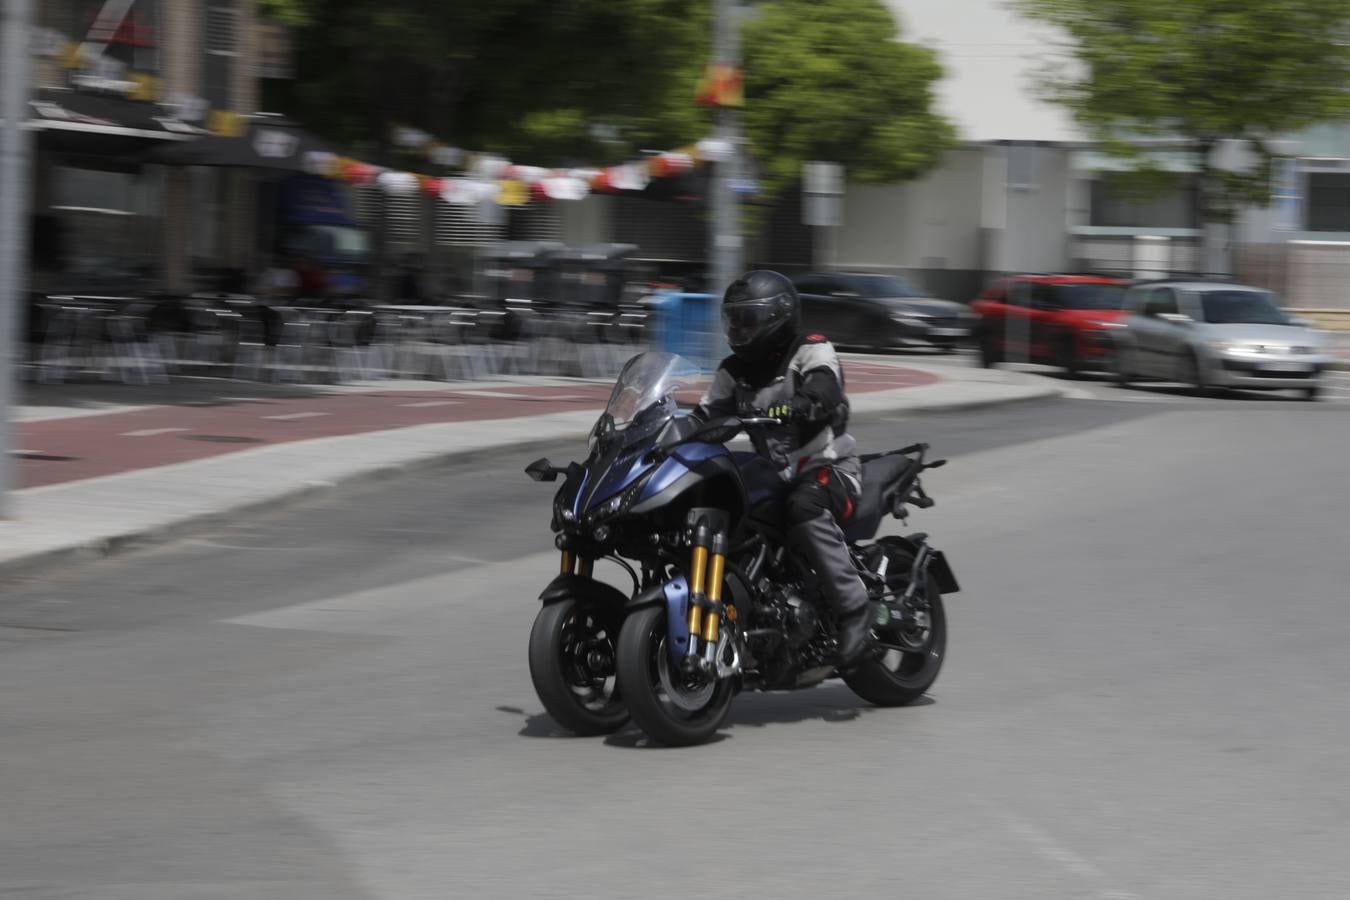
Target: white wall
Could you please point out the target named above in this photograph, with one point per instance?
(933, 223)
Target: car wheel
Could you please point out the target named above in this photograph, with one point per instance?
(1068, 356)
(1193, 373)
(1311, 393)
(990, 354)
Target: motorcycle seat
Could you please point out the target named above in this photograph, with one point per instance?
(883, 477)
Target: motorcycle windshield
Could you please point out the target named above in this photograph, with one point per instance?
(645, 391)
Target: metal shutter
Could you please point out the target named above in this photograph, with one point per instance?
(662, 230)
(462, 226)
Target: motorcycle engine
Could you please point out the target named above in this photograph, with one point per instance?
(796, 616)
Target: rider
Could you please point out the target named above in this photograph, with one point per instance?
(797, 379)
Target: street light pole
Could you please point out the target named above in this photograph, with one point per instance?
(15, 61)
(725, 248)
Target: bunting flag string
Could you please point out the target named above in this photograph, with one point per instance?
(490, 178)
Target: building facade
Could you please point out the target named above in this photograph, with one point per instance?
(113, 79)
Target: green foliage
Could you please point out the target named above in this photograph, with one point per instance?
(525, 77)
(829, 81)
(1202, 72)
(563, 81)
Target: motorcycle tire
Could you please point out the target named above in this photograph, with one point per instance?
(898, 679)
(568, 695)
(641, 649)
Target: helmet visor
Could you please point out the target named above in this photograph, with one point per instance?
(747, 321)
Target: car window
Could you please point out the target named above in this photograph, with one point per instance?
(1019, 293)
(1160, 301)
(1043, 297)
(1237, 307)
(883, 286)
(811, 284)
(1090, 296)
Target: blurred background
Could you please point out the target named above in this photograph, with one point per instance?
(217, 170)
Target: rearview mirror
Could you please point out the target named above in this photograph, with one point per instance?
(542, 470)
(718, 432)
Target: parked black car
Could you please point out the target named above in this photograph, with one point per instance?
(880, 312)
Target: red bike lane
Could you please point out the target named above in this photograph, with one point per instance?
(62, 450)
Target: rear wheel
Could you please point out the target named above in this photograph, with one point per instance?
(1312, 392)
(572, 667)
(912, 656)
(990, 353)
(1068, 356)
(669, 706)
(1124, 374)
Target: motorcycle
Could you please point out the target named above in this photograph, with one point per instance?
(719, 602)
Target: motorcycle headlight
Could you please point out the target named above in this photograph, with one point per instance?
(616, 506)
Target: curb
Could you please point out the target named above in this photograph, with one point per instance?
(20, 568)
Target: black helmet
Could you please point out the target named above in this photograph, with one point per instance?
(760, 313)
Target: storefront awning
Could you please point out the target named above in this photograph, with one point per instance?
(271, 142)
(76, 122)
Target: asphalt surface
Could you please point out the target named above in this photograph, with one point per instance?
(1145, 695)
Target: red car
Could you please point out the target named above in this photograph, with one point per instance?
(1059, 320)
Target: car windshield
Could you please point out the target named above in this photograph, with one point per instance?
(648, 380)
(1242, 308)
(1090, 296)
(879, 287)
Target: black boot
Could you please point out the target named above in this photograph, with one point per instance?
(823, 545)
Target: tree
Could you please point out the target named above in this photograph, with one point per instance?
(831, 81)
(1208, 74)
(549, 81)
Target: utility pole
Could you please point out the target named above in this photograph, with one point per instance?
(16, 61)
(725, 247)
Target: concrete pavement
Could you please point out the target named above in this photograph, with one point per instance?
(1144, 697)
(124, 474)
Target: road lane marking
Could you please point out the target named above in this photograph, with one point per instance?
(299, 415)
(427, 403)
(1050, 849)
(149, 432)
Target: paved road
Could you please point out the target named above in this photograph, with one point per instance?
(1145, 696)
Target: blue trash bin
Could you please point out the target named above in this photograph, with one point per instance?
(688, 326)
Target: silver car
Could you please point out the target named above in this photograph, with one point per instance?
(1215, 335)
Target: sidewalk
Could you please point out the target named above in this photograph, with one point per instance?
(107, 467)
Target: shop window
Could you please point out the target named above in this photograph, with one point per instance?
(1113, 207)
(1329, 201)
(222, 52)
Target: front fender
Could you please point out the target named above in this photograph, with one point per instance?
(674, 596)
(565, 586)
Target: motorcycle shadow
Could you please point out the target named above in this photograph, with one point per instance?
(835, 704)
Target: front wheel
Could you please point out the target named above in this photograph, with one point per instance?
(669, 706)
(572, 667)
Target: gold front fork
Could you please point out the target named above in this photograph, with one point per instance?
(571, 564)
(713, 620)
(697, 573)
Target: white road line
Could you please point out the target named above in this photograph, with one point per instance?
(430, 403)
(1048, 848)
(149, 432)
(301, 415)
